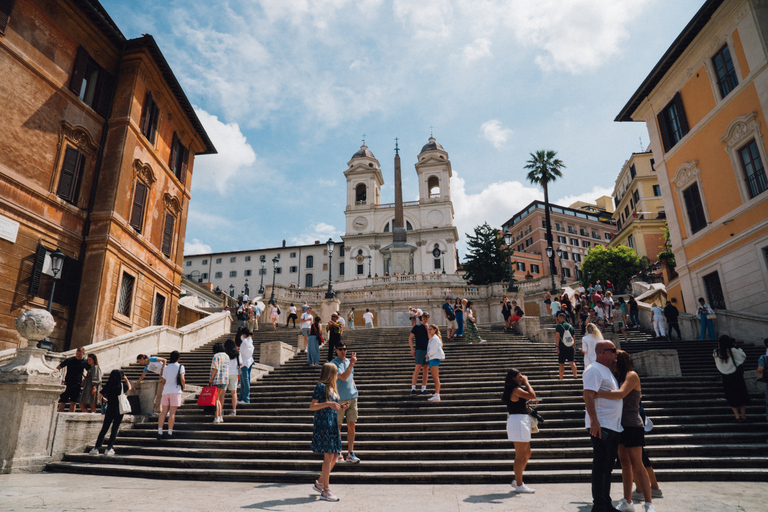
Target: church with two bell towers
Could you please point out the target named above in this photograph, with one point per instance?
(404, 237)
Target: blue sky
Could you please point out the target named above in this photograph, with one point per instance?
(287, 88)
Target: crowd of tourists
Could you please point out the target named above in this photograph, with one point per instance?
(615, 419)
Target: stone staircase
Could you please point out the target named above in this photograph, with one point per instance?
(405, 439)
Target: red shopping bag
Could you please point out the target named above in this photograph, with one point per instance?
(208, 396)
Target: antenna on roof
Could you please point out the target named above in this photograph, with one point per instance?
(397, 148)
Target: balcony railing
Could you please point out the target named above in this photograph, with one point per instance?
(757, 184)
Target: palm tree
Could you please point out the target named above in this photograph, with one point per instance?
(545, 168)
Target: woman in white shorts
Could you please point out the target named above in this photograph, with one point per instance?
(519, 423)
(173, 384)
(235, 362)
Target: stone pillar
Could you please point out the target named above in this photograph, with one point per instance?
(29, 391)
(327, 308)
(275, 353)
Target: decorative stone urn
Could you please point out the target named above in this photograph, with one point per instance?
(29, 388)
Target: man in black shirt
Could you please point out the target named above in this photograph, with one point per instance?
(75, 367)
(671, 313)
(418, 340)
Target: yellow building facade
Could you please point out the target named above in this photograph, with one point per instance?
(640, 214)
(704, 106)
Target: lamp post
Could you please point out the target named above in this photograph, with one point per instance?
(442, 254)
(560, 257)
(512, 286)
(369, 265)
(232, 291)
(275, 261)
(329, 294)
(263, 264)
(552, 268)
(57, 262)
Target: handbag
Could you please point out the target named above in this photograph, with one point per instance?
(208, 396)
(711, 316)
(535, 418)
(123, 403)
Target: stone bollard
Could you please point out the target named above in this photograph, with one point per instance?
(657, 363)
(300, 343)
(275, 353)
(29, 391)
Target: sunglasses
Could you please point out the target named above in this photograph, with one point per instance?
(345, 349)
(609, 349)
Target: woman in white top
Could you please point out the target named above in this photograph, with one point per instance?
(588, 342)
(434, 355)
(235, 362)
(273, 314)
(729, 362)
(173, 374)
(658, 321)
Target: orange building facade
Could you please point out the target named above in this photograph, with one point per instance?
(98, 144)
(704, 105)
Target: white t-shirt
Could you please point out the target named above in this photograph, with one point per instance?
(292, 310)
(588, 343)
(306, 320)
(600, 313)
(234, 367)
(169, 374)
(368, 317)
(599, 378)
(342, 322)
(246, 351)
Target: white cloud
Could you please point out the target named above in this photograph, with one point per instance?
(196, 247)
(587, 197)
(479, 48)
(427, 20)
(318, 232)
(234, 154)
(575, 36)
(495, 204)
(495, 133)
(207, 221)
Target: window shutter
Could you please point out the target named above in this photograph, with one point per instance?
(153, 121)
(678, 101)
(6, 6)
(37, 272)
(184, 157)
(137, 212)
(174, 148)
(78, 71)
(662, 119)
(69, 180)
(103, 93)
(146, 114)
(170, 221)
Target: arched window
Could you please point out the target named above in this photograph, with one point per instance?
(433, 184)
(408, 226)
(361, 194)
(308, 281)
(310, 261)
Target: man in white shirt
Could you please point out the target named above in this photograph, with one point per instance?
(603, 420)
(306, 324)
(246, 354)
(368, 317)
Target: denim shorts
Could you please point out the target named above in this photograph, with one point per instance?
(421, 357)
(434, 362)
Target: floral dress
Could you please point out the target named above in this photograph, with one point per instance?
(326, 437)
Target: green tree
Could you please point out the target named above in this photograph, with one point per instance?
(488, 259)
(614, 264)
(543, 169)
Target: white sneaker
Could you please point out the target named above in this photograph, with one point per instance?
(327, 495)
(232, 413)
(109, 451)
(94, 451)
(524, 489)
(434, 398)
(514, 483)
(649, 507)
(340, 459)
(482, 341)
(624, 506)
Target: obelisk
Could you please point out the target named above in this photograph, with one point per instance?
(399, 233)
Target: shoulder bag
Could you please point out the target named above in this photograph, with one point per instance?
(122, 401)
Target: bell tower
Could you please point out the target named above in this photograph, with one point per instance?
(364, 180)
(434, 171)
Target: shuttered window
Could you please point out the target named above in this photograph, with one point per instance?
(149, 118)
(159, 312)
(91, 83)
(170, 222)
(673, 125)
(37, 271)
(71, 173)
(137, 211)
(694, 208)
(126, 294)
(178, 160)
(726, 74)
(6, 6)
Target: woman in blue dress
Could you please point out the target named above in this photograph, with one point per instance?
(326, 438)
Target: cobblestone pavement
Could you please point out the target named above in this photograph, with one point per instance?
(67, 492)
